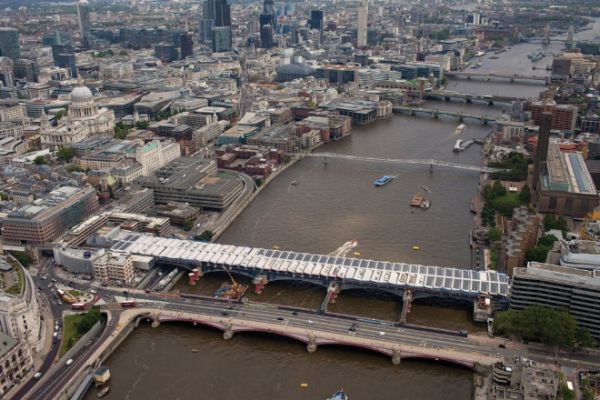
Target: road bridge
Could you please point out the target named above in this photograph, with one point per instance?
(408, 161)
(447, 95)
(436, 113)
(263, 266)
(488, 76)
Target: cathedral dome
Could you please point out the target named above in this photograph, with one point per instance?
(81, 93)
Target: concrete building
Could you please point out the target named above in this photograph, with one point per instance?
(541, 153)
(521, 235)
(114, 268)
(565, 185)
(77, 261)
(361, 24)
(15, 362)
(572, 289)
(564, 117)
(20, 313)
(193, 181)
(46, 219)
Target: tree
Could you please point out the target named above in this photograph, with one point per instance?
(66, 154)
(40, 160)
(554, 222)
(494, 235)
(121, 130)
(206, 236)
(498, 189)
(60, 114)
(525, 194)
(89, 319)
(258, 182)
(142, 124)
(188, 225)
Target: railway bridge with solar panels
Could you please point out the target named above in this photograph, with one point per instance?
(410, 281)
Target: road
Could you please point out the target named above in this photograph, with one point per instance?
(261, 314)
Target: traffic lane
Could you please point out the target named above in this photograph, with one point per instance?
(48, 361)
(63, 375)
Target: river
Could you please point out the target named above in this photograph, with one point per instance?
(333, 203)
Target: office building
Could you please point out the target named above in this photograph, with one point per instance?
(218, 11)
(166, 52)
(83, 18)
(193, 181)
(115, 268)
(9, 43)
(48, 218)
(266, 36)
(7, 78)
(63, 56)
(559, 287)
(316, 20)
(221, 39)
(361, 24)
(26, 69)
(183, 41)
(565, 186)
(205, 29)
(564, 116)
(541, 152)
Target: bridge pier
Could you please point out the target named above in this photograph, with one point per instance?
(227, 334)
(396, 356)
(491, 103)
(194, 276)
(468, 100)
(155, 322)
(435, 113)
(311, 346)
(460, 117)
(259, 283)
(406, 304)
(333, 291)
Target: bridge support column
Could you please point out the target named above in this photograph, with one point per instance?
(155, 322)
(406, 304)
(396, 356)
(311, 346)
(333, 291)
(259, 283)
(435, 113)
(468, 100)
(512, 80)
(194, 276)
(227, 334)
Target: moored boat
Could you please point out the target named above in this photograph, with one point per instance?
(339, 395)
(383, 180)
(103, 392)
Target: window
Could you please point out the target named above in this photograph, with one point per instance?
(552, 203)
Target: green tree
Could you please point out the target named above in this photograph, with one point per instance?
(40, 160)
(525, 194)
(60, 114)
(498, 189)
(142, 124)
(88, 320)
(206, 236)
(554, 222)
(188, 225)
(494, 235)
(121, 130)
(66, 154)
(258, 182)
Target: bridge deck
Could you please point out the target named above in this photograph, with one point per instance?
(353, 271)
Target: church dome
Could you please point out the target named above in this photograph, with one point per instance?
(81, 93)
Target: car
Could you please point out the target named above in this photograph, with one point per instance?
(229, 308)
(280, 319)
(502, 345)
(92, 291)
(224, 313)
(69, 362)
(43, 278)
(54, 280)
(294, 312)
(37, 375)
(55, 335)
(310, 321)
(381, 333)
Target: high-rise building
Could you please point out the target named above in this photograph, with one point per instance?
(266, 36)
(184, 43)
(9, 43)
(564, 116)
(7, 77)
(205, 28)
(316, 19)
(63, 56)
(219, 11)
(541, 152)
(361, 26)
(221, 39)
(83, 17)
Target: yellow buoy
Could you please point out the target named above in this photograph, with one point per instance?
(415, 247)
(275, 247)
(357, 253)
(304, 385)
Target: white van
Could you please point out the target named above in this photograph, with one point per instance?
(69, 362)
(38, 375)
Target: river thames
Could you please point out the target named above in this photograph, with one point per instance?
(333, 203)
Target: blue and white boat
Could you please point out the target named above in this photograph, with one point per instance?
(383, 180)
(339, 395)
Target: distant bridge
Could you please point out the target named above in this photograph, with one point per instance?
(490, 75)
(448, 95)
(435, 113)
(426, 162)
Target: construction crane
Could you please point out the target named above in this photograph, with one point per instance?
(231, 291)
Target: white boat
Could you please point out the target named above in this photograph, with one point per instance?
(457, 146)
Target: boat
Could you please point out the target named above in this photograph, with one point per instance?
(417, 200)
(339, 395)
(383, 180)
(458, 146)
(494, 57)
(294, 183)
(231, 291)
(426, 204)
(459, 129)
(425, 188)
(194, 350)
(103, 392)
(304, 385)
(416, 248)
(536, 55)
(479, 53)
